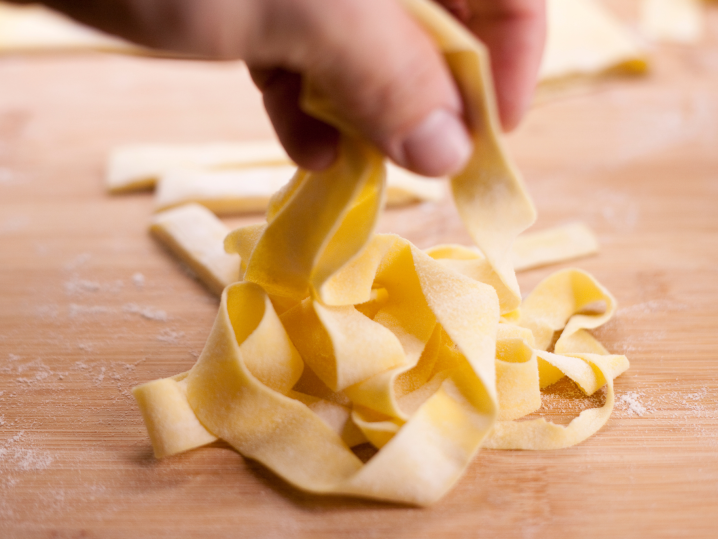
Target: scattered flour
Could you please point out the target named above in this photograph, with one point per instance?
(100, 377)
(29, 373)
(38, 377)
(146, 312)
(564, 400)
(639, 342)
(77, 310)
(14, 224)
(694, 403)
(618, 210)
(46, 312)
(170, 336)
(78, 261)
(77, 285)
(79, 365)
(631, 403)
(652, 306)
(15, 456)
(138, 279)
(669, 400)
(123, 376)
(6, 176)
(149, 313)
(673, 401)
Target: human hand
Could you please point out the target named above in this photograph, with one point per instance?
(368, 56)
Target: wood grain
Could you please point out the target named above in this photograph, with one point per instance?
(636, 159)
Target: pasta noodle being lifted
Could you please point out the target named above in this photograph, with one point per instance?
(337, 335)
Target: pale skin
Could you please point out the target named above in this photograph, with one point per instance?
(368, 56)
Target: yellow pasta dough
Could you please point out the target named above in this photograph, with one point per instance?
(584, 39)
(135, 167)
(243, 190)
(337, 336)
(195, 236)
(232, 177)
(680, 21)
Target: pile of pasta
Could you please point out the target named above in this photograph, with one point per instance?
(335, 336)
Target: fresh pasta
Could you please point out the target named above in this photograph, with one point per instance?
(338, 336)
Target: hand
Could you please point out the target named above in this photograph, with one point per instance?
(368, 56)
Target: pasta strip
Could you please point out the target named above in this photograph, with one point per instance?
(35, 28)
(196, 236)
(548, 246)
(224, 192)
(584, 39)
(679, 21)
(248, 189)
(232, 178)
(131, 168)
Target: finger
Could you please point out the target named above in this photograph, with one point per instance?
(312, 144)
(514, 32)
(375, 64)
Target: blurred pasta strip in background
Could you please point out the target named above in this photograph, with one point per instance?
(677, 21)
(584, 38)
(36, 28)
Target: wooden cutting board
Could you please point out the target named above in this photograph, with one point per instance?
(90, 306)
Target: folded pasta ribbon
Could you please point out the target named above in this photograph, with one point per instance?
(338, 336)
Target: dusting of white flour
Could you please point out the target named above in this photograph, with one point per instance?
(138, 279)
(631, 403)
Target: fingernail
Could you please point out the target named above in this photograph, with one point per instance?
(440, 145)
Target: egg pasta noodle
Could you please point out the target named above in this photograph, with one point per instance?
(338, 336)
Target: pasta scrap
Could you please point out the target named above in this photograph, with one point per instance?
(196, 236)
(584, 39)
(678, 21)
(337, 335)
(131, 168)
(36, 28)
(224, 192)
(552, 245)
(248, 189)
(232, 177)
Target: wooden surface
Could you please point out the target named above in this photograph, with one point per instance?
(635, 159)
